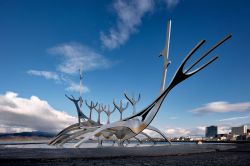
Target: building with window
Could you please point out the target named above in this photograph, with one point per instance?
(239, 130)
(211, 131)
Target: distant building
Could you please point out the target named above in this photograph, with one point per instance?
(243, 138)
(222, 137)
(239, 130)
(231, 137)
(211, 131)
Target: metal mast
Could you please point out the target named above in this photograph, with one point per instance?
(165, 53)
(81, 88)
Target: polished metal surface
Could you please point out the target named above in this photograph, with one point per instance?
(130, 127)
(99, 110)
(80, 114)
(133, 101)
(91, 106)
(135, 124)
(120, 108)
(108, 113)
(165, 53)
(150, 127)
(81, 88)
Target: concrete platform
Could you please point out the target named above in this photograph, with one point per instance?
(174, 155)
(109, 152)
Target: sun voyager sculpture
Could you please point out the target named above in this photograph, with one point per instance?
(130, 127)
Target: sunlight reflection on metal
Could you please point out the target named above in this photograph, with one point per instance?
(130, 127)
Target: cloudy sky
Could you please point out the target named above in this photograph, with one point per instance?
(116, 44)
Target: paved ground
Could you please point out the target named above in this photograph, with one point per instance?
(159, 155)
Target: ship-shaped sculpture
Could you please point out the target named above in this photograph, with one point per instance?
(127, 128)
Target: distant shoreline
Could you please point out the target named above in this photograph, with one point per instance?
(45, 141)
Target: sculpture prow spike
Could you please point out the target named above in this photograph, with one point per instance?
(133, 124)
(179, 76)
(132, 100)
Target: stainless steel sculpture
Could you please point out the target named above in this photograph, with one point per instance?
(99, 110)
(130, 127)
(91, 106)
(165, 53)
(81, 88)
(120, 108)
(72, 131)
(108, 112)
(133, 101)
(79, 112)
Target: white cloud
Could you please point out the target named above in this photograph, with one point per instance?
(224, 129)
(77, 56)
(14, 129)
(21, 114)
(235, 118)
(196, 131)
(46, 74)
(170, 132)
(73, 87)
(177, 131)
(171, 4)
(222, 107)
(129, 15)
(129, 18)
(200, 130)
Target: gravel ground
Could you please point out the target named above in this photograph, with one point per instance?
(239, 155)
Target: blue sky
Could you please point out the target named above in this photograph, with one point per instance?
(117, 43)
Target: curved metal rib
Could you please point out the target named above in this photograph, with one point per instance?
(146, 135)
(99, 111)
(134, 125)
(108, 113)
(180, 76)
(138, 139)
(159, 132)
(146, 116)
(75, 135)
(79, 112)
(120, 108)
(91, 106)
(133, 101)
(72, 128)
(69, 128)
